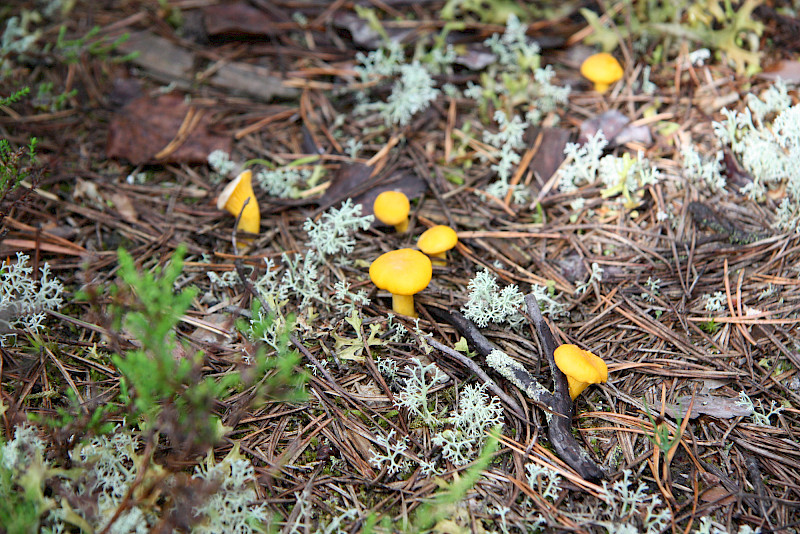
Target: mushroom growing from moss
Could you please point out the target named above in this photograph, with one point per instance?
(233, 197)
(436, 241)
(392, 208)
(602, 70)
(581, 368)
(403, 273)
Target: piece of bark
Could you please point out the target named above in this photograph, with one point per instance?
(237, 20)
(161, 57)
(560, 428)
(168, 62)
(252, 81)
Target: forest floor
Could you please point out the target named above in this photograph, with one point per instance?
(671, 258)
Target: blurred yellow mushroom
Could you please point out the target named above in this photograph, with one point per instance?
(581, 368)
(602, 70)
(392, 208)
(403, 273)
(233, 197)
(436, 241)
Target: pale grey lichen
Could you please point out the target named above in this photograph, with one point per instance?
(415, 390)
(515, 372)
(488, 303)
(544, 480)
(23, 300)
(476, 413)
(765, 137)
(333, 232)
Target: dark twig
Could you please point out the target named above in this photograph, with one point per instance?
(560, 428)
(477, 371)
(756, 479)
(558, 407)
(236, 225)
(516, 373)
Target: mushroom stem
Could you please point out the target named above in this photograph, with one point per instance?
(601, 87)
(576, 387)
(401, 227)
(439, 259)
(404, 305)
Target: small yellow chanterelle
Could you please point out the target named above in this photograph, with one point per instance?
(581, 368)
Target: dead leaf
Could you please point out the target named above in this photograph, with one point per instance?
(718, 494)
(476, 58)
(86, 190)
(370, 393)
(786, 70)
(146, 126)
(616, 128)
(550, 153)
(348, 179)
(633, 134)
(213, 329)
(361, 32)
(737, 176)
(403, 180)
(572, 267)
(124, 206)
(611, 123)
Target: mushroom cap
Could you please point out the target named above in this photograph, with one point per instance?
(391, 207)
(602, 68)
(233, 198)
(437, 239)
(581, 365)
(401, 272)
(241, 186)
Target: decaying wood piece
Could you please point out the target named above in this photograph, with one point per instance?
(560, 428)
(558, 406)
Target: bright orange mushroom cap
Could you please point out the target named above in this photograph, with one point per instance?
(392, 208)
(437, 239)
(602, 69)
(581, 368)
(403, 273)
(233, 197)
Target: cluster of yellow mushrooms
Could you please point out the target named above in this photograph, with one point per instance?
(406, 272)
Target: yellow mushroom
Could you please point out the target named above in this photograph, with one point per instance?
(403, 273)
(602, 70)
(436, 241)
(392, 207)
(233, 198)
(581, 368)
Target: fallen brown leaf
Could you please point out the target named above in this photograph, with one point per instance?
(147, 126)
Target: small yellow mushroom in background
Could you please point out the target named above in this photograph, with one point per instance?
(392, 208)
(233, 198)
(602, 70)
(436, 241)
(403, 273)
(581, 368)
